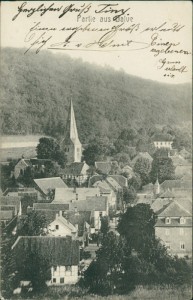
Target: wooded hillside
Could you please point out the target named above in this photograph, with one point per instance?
(36, 90)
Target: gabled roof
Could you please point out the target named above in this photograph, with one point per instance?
(162, 137)
(159, 203)
(11, 201)
(173, 184)
(184, 152)
(80, 218)
(179, 161)
(90, 204)
(74, 169)
(103, 186)
(103, 166)
(113, 183)
(46, 184)
(167, 194)
(21, 191)
(56, 207)
(60, 251)
(6, 215)
(174, 209)
(66, 223)
(120, 180)
(65, 195)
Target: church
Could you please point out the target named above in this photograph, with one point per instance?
(71, 143)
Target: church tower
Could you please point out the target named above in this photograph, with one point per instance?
(71, 144)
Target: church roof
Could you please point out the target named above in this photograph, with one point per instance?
(71, 129)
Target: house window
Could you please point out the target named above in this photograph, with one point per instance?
(160, 143)
(62, 280)
(68, 268)
(168, 245)
(181, 231)
(167, 232)
(167, 220)
(54, 280)
(182, 220)
(55, 269)
(57, 226)
(182, 246)
(100, 214)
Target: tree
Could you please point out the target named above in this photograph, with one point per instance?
(9, 277)
(163, 169)
(33, 224)
(122, 158)
(143, 168)
(104, 225)
(137, 226)
(48, 148)
(104, 275)
(135, 182)
(129, 195)
(36, 269)
(96, 150)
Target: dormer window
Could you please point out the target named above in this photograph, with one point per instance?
(167, 220)
(182, 220)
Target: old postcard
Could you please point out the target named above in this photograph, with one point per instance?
(96, 150)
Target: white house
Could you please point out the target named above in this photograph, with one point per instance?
(62, 227)
(61, 252)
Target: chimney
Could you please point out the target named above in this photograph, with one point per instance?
(60, 213)
(57, 215)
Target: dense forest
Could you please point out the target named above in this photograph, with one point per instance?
(35, 93)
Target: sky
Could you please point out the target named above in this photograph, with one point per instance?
(141, 62)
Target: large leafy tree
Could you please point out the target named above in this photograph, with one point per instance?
(143, 168)
(48, 148)
(162, 168)
(33, 224)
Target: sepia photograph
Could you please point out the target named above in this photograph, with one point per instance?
(96, 150)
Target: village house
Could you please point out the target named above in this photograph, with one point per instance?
(77, 171)
(37, 165)
(61, 252)
(66, 195)
(62, 227)
(98, 205)
(174, 227)
(46, 187)
(163, 141)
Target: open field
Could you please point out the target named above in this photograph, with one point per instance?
(140, 293)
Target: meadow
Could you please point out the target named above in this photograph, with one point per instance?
(140, 293)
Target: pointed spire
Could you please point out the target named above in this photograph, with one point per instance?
(157, 187)
(71, 128)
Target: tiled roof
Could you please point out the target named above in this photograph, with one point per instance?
(113, 183)
(51, 206)
(121, 180)
(179, 161)
(60, 251)
(172, 184)
(174, 209)
(19, 191)
(65, 195)
(90, 204)
(79, 218)
(103, 186)
(74, 169)
(44, 184)
(10, 200)
(103, 167)
(175, 222)
(148, 187)
(6, 215)
(167, 194)
(162, 137)
(159, 203)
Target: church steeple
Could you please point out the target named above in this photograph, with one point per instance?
(71, 142)
(157, 187)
